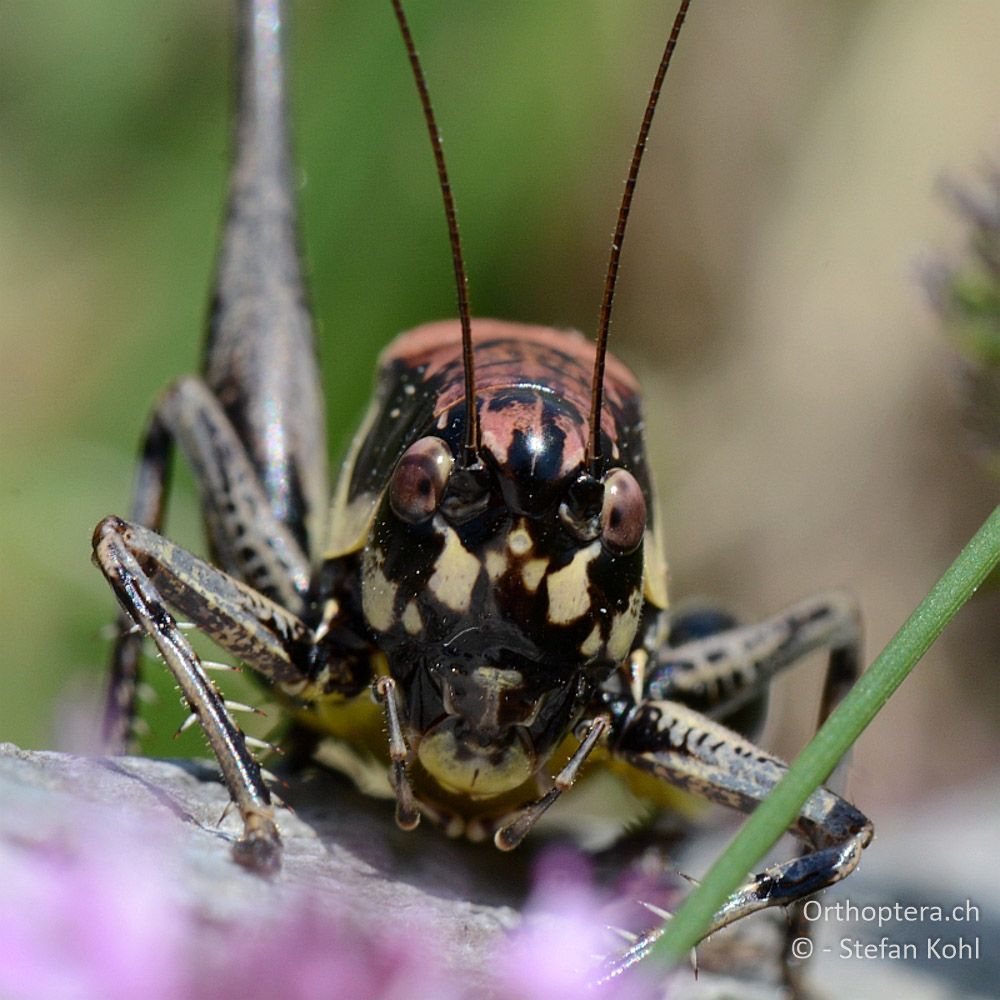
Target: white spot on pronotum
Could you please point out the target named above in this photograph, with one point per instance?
(455, 573)
(569, 595)
(408, 389)
(294, 688)
(394, 413)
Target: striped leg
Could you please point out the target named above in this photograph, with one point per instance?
(148, 572)
(247, 537)
(717, 670)
(712, 669)
(688, 750)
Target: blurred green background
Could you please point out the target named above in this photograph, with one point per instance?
(801, 408)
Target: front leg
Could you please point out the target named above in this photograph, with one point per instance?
(259, 847)
(148, 572)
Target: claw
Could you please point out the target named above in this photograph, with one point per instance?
(259, 853)
(259, 849)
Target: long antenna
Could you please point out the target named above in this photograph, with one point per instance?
(597, 387)
(472, 441)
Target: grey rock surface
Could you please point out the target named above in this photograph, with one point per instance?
(343, 851)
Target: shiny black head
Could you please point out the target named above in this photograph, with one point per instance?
(505, 592)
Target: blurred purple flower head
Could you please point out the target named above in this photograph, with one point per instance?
(313, 954)
(97, 913)
(556, 954)
(91, 914)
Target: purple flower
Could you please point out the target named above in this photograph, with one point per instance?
(97, 912)
(311, 954)
(556, 953)
(90, 916)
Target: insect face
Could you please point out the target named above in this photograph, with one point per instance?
(503, 593)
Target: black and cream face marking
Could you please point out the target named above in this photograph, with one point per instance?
(505, 593)
(502, 593)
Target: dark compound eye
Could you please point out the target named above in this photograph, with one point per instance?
(418, 483)
(623, 516)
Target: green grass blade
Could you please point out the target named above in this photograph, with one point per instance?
(773, 816)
